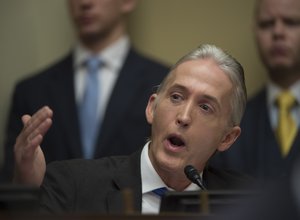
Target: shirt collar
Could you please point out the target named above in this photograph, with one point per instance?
(150, 178)
(273, 90)
(112, 56)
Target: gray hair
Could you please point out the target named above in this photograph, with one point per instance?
(230, 66)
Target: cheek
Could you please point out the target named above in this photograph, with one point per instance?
(263, 39)
(162, 119)
(295, 44)
(204, 135)
(163, 122)
(207, 138)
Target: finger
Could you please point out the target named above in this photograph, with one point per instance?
(36, 137)
(41, 129)
(30, 150)
(38, 117)
(26, 149)
(34, 124)
(25, 119)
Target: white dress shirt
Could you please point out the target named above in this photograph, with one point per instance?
(150, 181)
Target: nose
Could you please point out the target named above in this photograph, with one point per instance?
(278, 29)
(184, 116)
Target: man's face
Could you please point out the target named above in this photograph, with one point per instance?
(99, 17)
(190, 117)
(277, 33)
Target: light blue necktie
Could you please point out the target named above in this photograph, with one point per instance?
(89, 123)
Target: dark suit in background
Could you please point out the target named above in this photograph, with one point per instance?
(124, 127)
(95, 186)
(256, 151)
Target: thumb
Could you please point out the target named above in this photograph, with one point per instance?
(25, 119)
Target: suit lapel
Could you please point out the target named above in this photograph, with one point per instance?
(266, 136)
(65, 109)
(126, 177)
(116, 109)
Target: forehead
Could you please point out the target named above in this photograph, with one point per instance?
(278, 8)
(199, 75)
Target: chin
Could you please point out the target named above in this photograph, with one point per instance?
(280, 67)
(171, 164)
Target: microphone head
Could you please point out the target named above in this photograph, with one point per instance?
(191, 173)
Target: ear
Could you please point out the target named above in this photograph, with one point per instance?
(150, 108)
(128, 5)
(229, 138)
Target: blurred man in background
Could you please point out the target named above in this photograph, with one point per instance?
(98, 91)
(270, 139)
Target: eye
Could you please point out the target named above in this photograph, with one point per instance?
(265, 24)
(175, 97)
(205, 107)
(292, 22)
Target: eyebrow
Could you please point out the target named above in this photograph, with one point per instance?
(178, 86)
(185, 89)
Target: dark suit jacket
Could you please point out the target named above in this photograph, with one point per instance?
(256, 151)
(96, 185)
(124, 127)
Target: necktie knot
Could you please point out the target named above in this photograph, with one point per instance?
(286, 100)
(93, 64)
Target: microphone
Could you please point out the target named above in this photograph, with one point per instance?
(193, 175)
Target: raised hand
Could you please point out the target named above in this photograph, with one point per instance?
(30, 164)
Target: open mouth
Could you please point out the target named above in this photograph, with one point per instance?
(176, 141)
